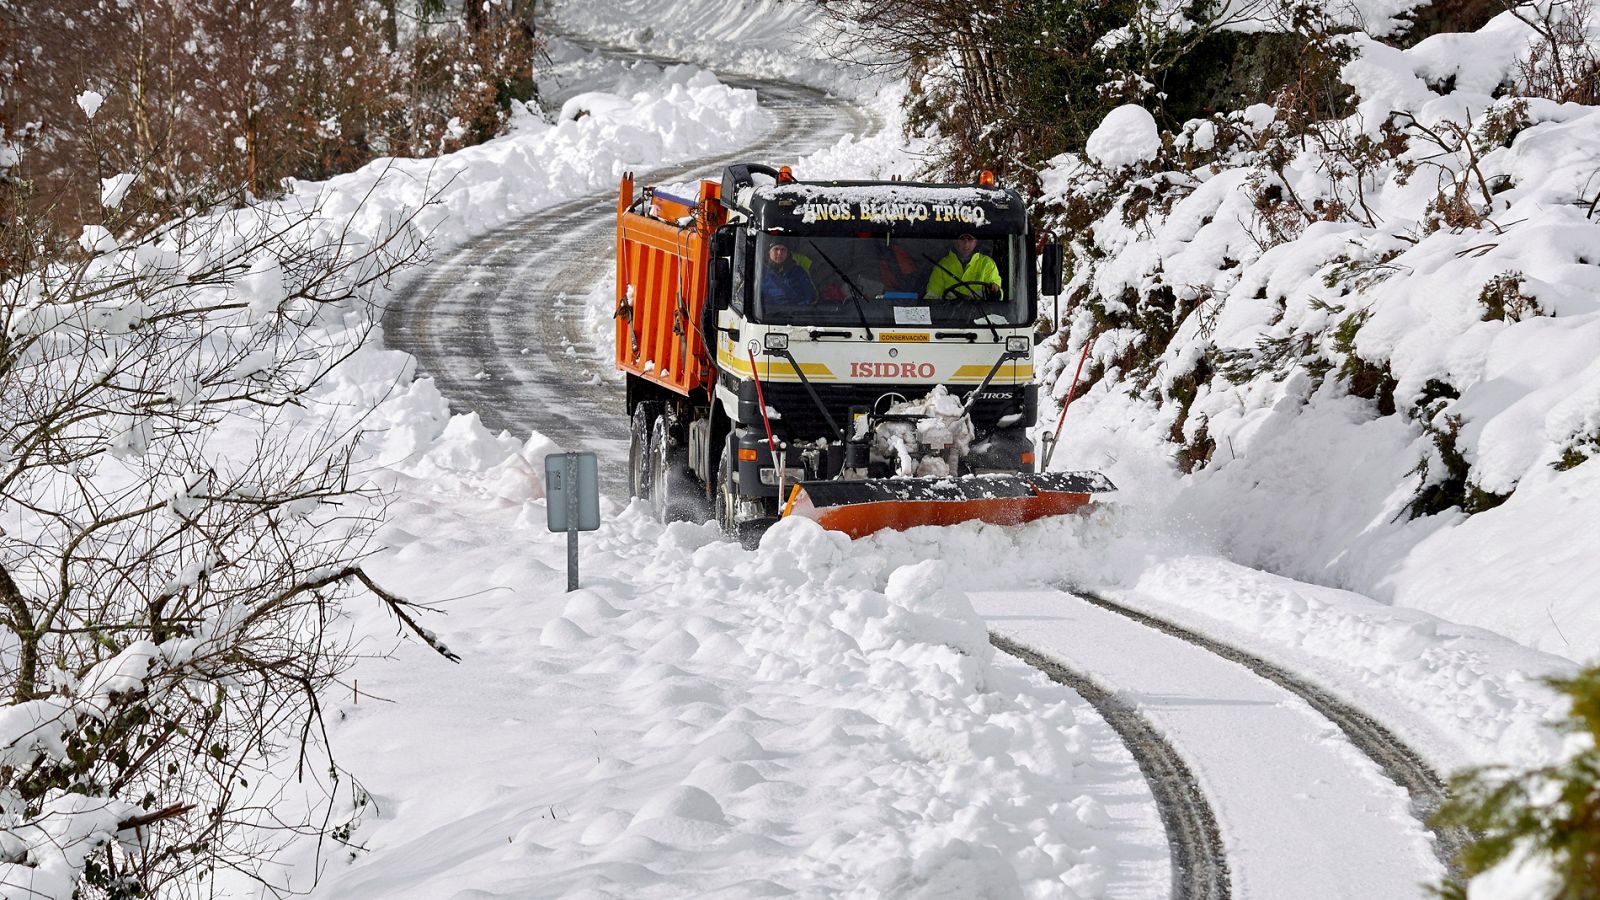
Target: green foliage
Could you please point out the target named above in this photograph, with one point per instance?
(1455, 490)
(1578, 452)
(1549, 813)
(1369, 381)
(1503, 299)
(1010, 86)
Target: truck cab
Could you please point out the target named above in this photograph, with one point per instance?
(848, 331)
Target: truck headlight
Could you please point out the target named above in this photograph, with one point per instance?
(1020, 344)
(776, 340)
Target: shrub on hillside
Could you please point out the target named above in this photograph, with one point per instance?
(1547, 816)
(1313, 228)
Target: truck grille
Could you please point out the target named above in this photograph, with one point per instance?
(800, 418)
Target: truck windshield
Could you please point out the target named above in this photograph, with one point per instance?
(937, 282)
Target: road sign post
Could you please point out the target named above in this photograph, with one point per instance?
(572, 501)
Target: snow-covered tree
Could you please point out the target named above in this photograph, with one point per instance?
(180, 521)
(203, 99)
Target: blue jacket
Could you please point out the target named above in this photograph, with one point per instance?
(788, 286)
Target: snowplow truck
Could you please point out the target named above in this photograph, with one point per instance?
(854, 352)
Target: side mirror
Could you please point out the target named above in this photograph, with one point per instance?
(1050, 270)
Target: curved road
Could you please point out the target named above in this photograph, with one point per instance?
(498, 322)
(1306, 796)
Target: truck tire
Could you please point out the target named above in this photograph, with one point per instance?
(675, 494)
(644, 416)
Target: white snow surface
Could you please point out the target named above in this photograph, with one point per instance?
(771, 38)
(113, 189)
(842, 729)
(1126, 137)
(1301, 812)
(825, 718)
(89, 102)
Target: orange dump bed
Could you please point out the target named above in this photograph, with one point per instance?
(663, 250)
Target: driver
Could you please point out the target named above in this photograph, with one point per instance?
(964, 273)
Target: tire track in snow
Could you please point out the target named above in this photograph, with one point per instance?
(499, 323)
(1199, 862)
(1403, 765)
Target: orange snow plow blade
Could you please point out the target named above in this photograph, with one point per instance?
(858, 508)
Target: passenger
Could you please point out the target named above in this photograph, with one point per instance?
(973, 275)
(783, 283)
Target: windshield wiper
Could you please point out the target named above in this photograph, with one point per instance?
(959, 280)
(855, 292)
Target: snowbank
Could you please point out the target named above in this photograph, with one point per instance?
(770, 38)
(1126, 137)
(700, 718)
(1420, 338)
(656, 116)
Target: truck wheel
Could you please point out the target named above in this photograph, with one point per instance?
(644, 415)
(675, 494)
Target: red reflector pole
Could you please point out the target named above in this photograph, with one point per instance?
(1066, 402)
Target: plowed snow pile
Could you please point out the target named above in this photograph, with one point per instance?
(704, 720)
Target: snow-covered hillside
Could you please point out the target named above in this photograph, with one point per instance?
(769, 38)
(1394, 314)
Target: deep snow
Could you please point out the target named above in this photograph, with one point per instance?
(1310, 482)
(825, 717)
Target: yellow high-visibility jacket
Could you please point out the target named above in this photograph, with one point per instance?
(949, 272)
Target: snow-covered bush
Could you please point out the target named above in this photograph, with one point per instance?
(177, 532)
(1006, 87)
(1363, 240)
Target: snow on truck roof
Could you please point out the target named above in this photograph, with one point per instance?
(877, 205)
(885, 191)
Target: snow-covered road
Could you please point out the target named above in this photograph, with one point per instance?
(1302, 812)
(501, 323)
